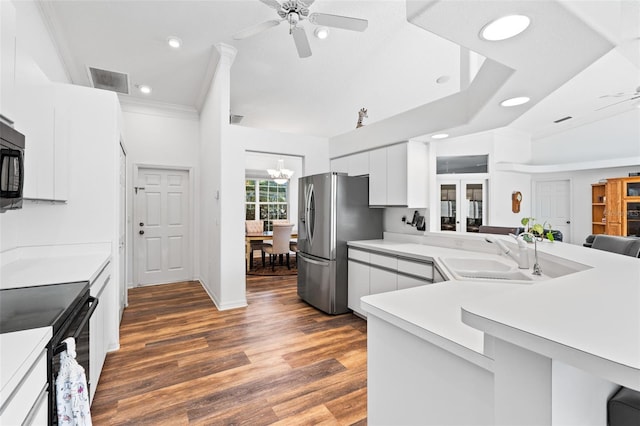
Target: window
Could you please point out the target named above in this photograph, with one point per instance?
(266, 200)
(462, 164)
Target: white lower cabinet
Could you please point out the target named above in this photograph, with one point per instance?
(374, 273)
(101, 288)
(25, 404)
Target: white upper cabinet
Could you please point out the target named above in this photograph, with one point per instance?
(7, 59)
(358, 164)
(353, 165)
(398, 175)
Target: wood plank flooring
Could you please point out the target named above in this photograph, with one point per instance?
(277, 361)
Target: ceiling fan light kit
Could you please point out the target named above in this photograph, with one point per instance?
(294, 12)
(321, 32)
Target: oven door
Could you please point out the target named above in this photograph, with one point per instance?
(78, 328)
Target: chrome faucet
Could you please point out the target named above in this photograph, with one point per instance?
(521, 258)
(537, 270)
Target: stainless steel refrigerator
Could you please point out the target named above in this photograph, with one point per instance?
(333, 209)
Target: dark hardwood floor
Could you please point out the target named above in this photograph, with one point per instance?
(277, 361)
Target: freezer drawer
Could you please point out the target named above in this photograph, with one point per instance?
(317, 284)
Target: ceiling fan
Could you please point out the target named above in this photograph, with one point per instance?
(294, 11)
(630, 96)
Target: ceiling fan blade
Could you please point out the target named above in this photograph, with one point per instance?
(619, 102)
(306, 3)
(272, 3)
(336, 21)
(256, 29)
(302, 42)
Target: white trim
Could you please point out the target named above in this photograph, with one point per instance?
(131, 104)
(223, 307)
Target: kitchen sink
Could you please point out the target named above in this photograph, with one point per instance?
(487, 269)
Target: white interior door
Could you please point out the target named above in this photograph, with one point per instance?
(553, 205)
(122, 250)
(162, 226)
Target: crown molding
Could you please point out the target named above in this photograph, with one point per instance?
(162, 109)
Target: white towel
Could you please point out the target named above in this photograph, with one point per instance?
(72, 393)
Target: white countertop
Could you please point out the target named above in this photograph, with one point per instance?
(590, 318)
(18, 351)
(38, 267)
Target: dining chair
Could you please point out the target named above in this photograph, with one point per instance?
(293, 244)
(255, 227)
(281, 241)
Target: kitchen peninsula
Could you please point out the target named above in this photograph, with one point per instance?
(550, 351)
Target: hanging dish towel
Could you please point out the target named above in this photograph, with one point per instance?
(72, 393)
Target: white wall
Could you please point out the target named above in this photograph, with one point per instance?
(32, 35)
(157, 137)
(609, 138)
(223, 150)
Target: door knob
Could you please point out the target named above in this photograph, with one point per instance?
(568, 222)
(141, 232)
(141, 224)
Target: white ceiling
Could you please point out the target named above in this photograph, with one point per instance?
(390, 68)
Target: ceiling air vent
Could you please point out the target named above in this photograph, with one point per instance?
(109, 80)
(235, 119)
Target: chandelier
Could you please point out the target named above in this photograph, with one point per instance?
(280, 175)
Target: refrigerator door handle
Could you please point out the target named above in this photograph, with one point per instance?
(312, 261)
(309, 226)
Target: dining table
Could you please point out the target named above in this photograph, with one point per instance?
(258, 236)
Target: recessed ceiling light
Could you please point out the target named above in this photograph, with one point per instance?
(321, 32)
(443, 79)
(144, 89)
(174, 42)
(440, 136)
(515, 101)
(505, 27)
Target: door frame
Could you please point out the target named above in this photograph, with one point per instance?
(191, 214)
(534, 200)
(123, 288)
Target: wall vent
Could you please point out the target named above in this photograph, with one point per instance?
(560, 120)
(235, 119)
(109, 80)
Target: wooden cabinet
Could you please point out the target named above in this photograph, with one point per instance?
(373, 273)
(398, 175)
(622, 206)
(598, 219)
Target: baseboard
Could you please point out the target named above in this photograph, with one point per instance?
(225, 306)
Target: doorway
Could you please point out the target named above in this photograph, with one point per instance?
(553, 205)
(462, 205)
(162, 235)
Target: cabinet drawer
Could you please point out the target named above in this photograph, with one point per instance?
(419, 269)
(98, 285)
(360, 255)
(26, 395)
(384, 261)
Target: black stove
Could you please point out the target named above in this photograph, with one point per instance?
(67, 308)
(39, 306)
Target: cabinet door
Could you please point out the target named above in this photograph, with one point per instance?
(340, 165)
(405, 281)
(378, 177)
(35, 118)
(614, 207)
(382, 280)
(358, 285)
(359, 164)
(397, 177)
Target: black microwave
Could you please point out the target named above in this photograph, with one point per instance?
(11, 168)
